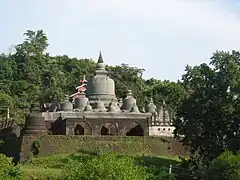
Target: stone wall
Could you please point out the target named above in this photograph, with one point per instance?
(156, 146)
(161, 131)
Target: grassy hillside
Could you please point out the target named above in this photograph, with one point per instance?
(53, 166)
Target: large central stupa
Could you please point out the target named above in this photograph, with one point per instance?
(101, 86)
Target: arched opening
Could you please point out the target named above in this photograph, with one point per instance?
(82, 128)
(79, 130)
(58, 127)
(105, 131)
(137, 130)
(109, 129)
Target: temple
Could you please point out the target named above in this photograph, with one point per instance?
(95, 110)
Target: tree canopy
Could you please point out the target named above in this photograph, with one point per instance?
(209, 115)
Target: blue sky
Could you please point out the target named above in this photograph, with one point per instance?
(162, 36)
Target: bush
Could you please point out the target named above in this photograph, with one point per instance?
(35, 148)
(7, 169)
(104, 167)
(225, 167)
(160, 174)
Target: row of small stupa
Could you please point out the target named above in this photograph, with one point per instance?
(81, 103)
(100, 92)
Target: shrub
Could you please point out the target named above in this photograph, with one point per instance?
(161, 173)
(104, 167)
(225, 167)
(7, 169)
(35, 148)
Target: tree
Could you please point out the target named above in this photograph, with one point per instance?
(6, 101)
(224, 167)
(29, 56)
(35, 43)
(209, 115)
(128, 78)
(30, 60)
(170, 92)
(7, 67)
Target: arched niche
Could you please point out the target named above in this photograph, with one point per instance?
(58, 127)
(135, 129)
(109, 129)
(82, 128)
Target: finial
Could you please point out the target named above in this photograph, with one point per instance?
(35, 108)
(81, 93)
(98, 98)
(151, 100)
(164, 103)
(84, 77)
(66, 97)
(100, 59)
(129, 93)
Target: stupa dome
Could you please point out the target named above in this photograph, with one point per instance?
(35, 124)
(67, 105)
(88, 108)
(134, 109)
(101, 85)
(113, 107)
(80, 101)
(128, 101)
(99, 106)
(151, 108)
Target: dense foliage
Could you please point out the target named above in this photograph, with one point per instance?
(105, 167)
(91, 165)
(224, 167)
(209, 116)
(7, 169)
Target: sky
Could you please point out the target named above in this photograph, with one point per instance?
(161, 36)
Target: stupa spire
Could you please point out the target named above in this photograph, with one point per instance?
(100, 68)
(100, 59)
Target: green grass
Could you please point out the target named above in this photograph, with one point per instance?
(41, 172)
(52, 166)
